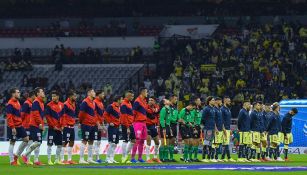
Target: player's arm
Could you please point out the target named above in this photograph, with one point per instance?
(10, 116)
(204, 116)
(35, 113)
(107, 115)
(82, 112)
(62, 117)
(240, 119)
(181, 116)
(162, 117)
(123, 115)
(25, 109)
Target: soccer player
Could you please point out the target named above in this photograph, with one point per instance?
(186, 125)
(15, 128)
(165, 130)
(208, 121)
(99, 115)
(25, 115)
(112, 117)
(140, 108)
(196, 129)
(274, 127)
(218, 136)
(266, 115)
(286, 126)
(244, 125)
(226, 115)
(173, 127)
(256, 127)
(67, 121)
(53, 112)
(126, 120)
(36, 126)
(89, 124)
(152, 129)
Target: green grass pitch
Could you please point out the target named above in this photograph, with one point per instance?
(6, 169)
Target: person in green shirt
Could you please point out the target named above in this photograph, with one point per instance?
(196, 141)
(186, 120)
(165, 122)
(173, 125)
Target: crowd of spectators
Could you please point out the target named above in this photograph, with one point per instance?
(259, 62)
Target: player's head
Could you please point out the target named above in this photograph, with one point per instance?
(91, 93)
(173, 99)
(293, 112)
(144, 92)
(227, 101)
(210, 101)
(152, 100)
(247, 105)
(166, 102)
(218, 102)
(100, 94)
(267, 107)
(258, 106)
(39, 92)
(191, 105)
(197, 101)
(72, 95)
(15, 93)
(55, 96)
(275, 107)
(118, 99)
(32, 95)
(129, 95)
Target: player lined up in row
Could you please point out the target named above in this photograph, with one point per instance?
(260, 127)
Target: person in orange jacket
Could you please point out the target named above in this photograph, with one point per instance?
(112, 117)
(15, 128)
(36, 125)
(53, 113)
(25, 115)
(67, 121)
(126, 120)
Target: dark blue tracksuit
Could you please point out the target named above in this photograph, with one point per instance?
(244, 121)
(226, 114)
(244, 125)
(274, 126)
(286, 123)
(208, 118)
(218, 119)
(256, 121)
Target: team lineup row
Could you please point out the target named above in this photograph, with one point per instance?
(260, 128)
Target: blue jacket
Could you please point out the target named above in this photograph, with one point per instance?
(208, 116)
(286, 123)
(226, 114)
(256, 121)
(218, 119)
(266, 118)
(274, 125)
(244, 121)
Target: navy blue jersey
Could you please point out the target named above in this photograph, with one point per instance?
(256, 121)
(274, 125)
(286, 123)
(226, 115)
(208, 116)
(218, 119)
(244, 121)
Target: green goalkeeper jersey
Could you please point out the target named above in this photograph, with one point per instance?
(174, 114)
(197, 116)
(165, 116)
(186, 116)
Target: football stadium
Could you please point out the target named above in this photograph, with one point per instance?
(153, 87)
